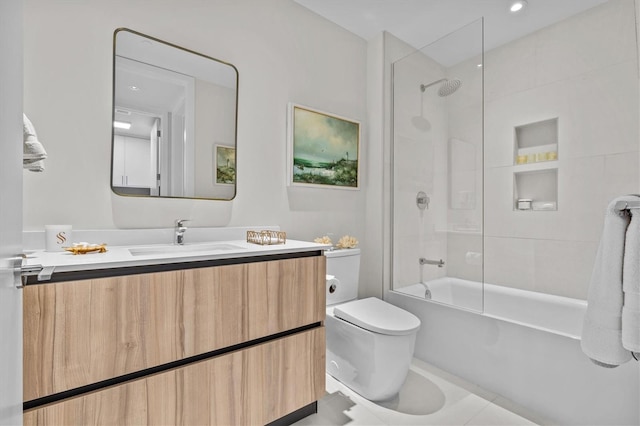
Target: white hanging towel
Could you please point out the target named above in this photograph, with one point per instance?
(631, 285)
(602, 327)
(33, 153)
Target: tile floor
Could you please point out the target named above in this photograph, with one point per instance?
(430, 396)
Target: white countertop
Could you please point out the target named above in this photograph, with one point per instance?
(121, 256)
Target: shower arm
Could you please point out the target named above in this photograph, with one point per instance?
(424, 87)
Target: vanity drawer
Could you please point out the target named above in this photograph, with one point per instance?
(78, 333)
(253, 386)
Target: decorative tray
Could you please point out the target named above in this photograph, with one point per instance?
(87, 248)
(266, 237)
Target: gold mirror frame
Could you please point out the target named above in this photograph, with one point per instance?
(181, 109)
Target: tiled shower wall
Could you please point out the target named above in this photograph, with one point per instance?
(584, 71)
(418, 167)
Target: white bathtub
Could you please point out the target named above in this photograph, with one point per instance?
(522, 345)
(554, 314)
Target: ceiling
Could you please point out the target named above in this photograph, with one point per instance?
(421, 22)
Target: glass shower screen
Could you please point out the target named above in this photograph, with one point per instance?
(437, 146)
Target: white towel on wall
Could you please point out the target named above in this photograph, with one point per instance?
(631, 285)
(32, 150)
(602, 327)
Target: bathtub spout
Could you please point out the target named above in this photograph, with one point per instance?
(427, 291)
(439, 263)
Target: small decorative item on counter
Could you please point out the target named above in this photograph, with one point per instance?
(323, 240)
(266, 237)
(541, 156)
(521, 159)
(84, 248)
(552, 155)
(524, 204)
(531, 158)
(56, 237)
(347, 241)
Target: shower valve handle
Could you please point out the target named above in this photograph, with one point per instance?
(422, 200)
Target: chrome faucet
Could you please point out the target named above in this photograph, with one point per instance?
(180, 229)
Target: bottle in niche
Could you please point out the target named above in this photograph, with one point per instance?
(524, 203)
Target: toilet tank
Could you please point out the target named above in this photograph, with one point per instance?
(344, 266)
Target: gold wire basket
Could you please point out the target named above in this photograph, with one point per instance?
(266, 237)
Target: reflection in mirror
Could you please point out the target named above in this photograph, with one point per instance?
(462, 174)
(174, 113)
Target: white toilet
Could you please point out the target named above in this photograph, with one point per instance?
(369, 342)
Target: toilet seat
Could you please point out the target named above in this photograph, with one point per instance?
(378, 316)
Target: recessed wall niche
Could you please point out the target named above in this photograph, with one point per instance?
(535, 159)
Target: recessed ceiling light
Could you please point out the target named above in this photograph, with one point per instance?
(517, 5)
(122, 125)
(134, 88)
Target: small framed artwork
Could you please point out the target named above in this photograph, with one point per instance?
(324, 149)
(225, 164)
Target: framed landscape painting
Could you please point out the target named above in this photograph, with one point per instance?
(225, 160)
(324, 149)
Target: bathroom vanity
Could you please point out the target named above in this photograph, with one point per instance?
(218, 334)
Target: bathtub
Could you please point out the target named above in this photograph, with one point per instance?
(553, 314)
(523, 346)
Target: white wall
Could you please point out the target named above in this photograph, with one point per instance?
(375, 272)
(372, 266)
(386, 49)
(421, 163)
(10, 211)
(584, 71)
(637, 7)
(284, 53)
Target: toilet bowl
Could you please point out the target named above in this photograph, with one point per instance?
(370, 342)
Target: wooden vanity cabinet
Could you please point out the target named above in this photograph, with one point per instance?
(230, 344)
(253, 386)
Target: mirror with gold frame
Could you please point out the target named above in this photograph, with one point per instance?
(174, 110)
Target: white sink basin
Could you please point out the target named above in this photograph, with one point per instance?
(186, 248)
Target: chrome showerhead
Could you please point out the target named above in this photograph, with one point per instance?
(446, 88)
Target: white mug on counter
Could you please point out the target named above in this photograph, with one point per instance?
(56, 237)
